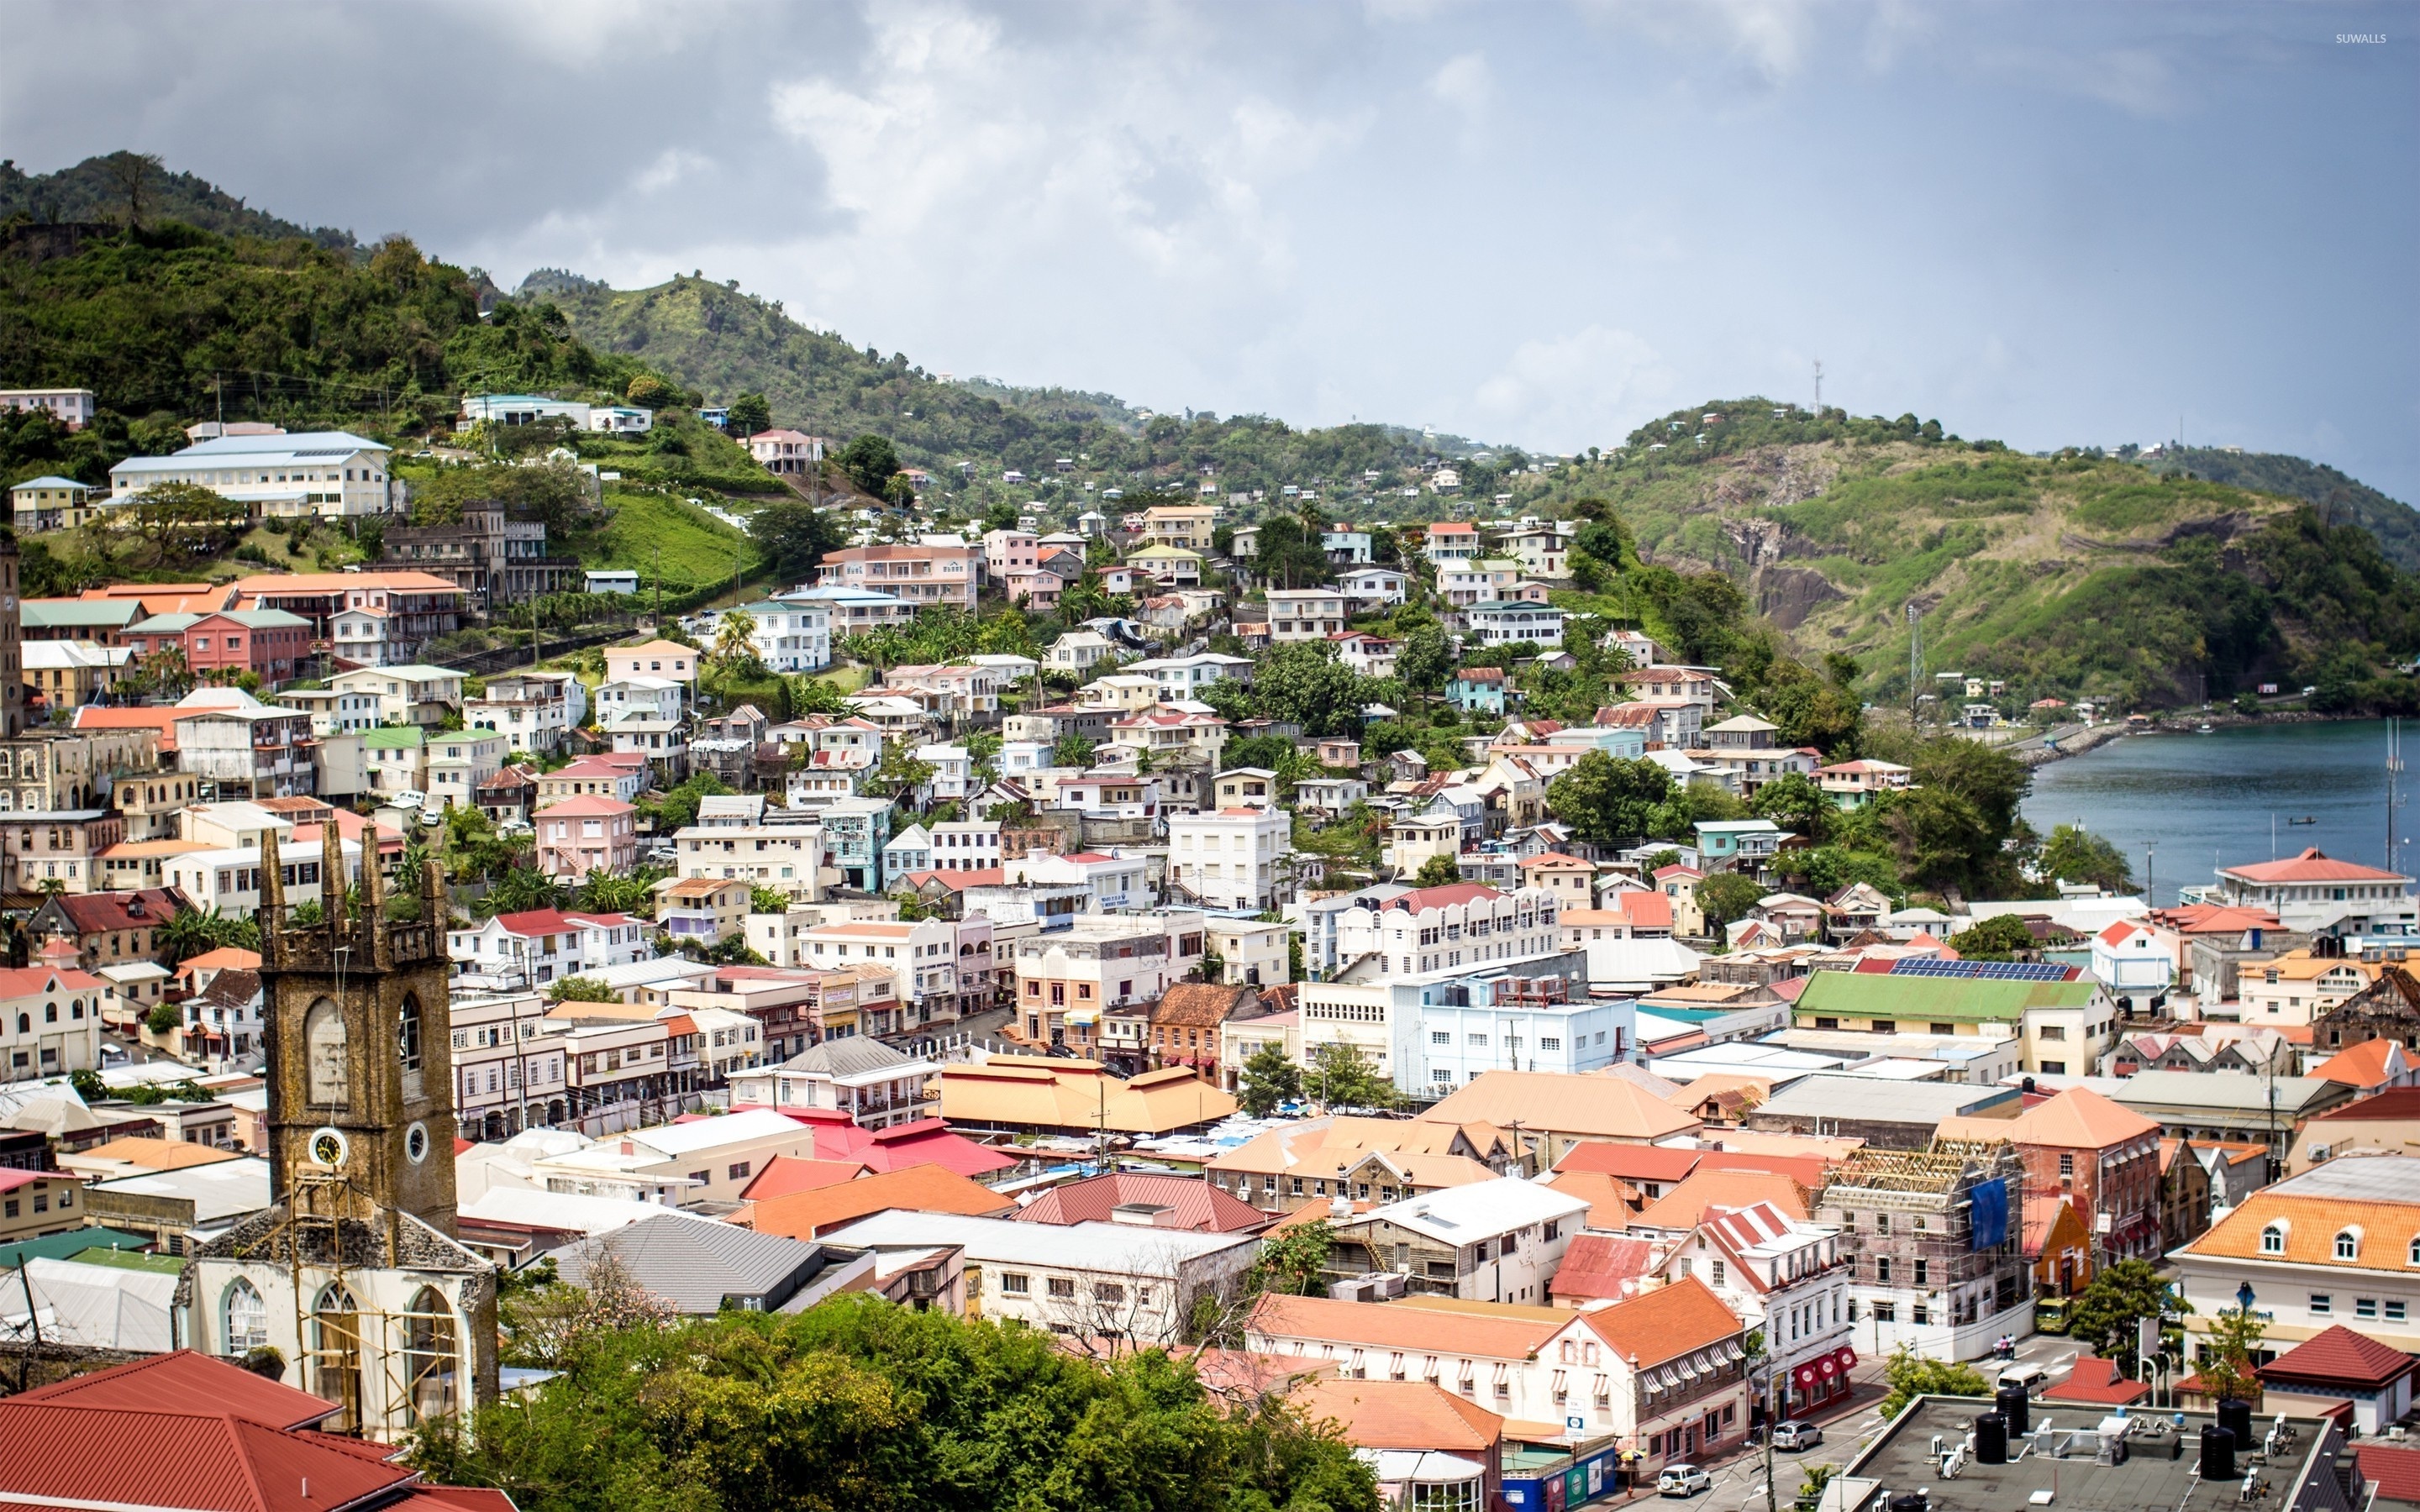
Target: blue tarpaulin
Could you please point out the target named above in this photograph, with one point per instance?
(1991, 1213)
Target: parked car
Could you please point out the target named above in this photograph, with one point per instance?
(1797, 1436)
(1683, 1480)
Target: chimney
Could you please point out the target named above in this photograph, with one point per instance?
(1339, 1206)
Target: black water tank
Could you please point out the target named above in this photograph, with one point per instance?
(1991, 1440)
(2013, 1410)
(2217, 1453)
(2236, 1417)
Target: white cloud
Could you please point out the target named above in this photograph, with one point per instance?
(1466, 83)
(1575, 390)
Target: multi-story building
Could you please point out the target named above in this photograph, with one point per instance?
(1464, 584)
(1430, 929)
(533, 710)
(1312, 1162)
(1787, 1277)
(1181, 679)
(1009, 551)
(1169, 735)
(459, 761)
(329, 473)
(653, 658)
(49, 770)
(237, 748)
(1305, 614)
(409, 695)
(877, 1087)
(792, 635)
(580, 836)
(1664, 1372)
(855, 831)
(786, 451)
(268, 643)
(1497, 1241)
(366, 619)
(72, 407)
(924, 955)
(2079, 1147)
(397, 759)
(508, 1069)
(2313, 892)
(49, 1015)
(544, 945)
(496, 560)
(2337, 1244)
(787, 857)
(1935, 1242)
(1188, 526)
(1066, 978)
(853, 611)
(612, 777)
(1515, 621)
(957, 691)
(937, 570)
(60, 846)
(1501, 1019)
(1234, 858)
(228, 880)
(800, 1007)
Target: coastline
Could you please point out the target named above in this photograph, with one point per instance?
(2042, 749)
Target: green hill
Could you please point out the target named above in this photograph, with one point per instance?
(2339, 499)
(2068, 575)
(99, 190)
(724, 343)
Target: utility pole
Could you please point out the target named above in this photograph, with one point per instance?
(1771, 1421)
(1914, 656)
(1819, 388)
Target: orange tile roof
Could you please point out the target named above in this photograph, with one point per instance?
(1667, 1323)
(2312, 1223)
(1401, 1414)
(2079, 1119)
(2312, 865)
(785, 1174)
(1609, 1197)
(1685, 1205)
(1389, 1325)
(2364, 1065)
(156, 1154)
(1600, 1107)
(915, 1188)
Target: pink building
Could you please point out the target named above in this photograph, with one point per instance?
(785, 451)
(921, 574)
(590, 833)
(1010, 551)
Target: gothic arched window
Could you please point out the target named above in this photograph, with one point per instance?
(247, 1318)
(407, 1032)
(429, 1364)
(337, 1353)
(323, 1055)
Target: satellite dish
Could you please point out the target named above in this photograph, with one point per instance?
(327, 1147)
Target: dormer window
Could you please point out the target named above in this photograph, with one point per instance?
(2349, 1244)
(2272, 1240)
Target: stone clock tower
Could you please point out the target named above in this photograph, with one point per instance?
(354, 1273)
(361, 1072)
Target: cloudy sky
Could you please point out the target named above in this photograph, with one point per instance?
(1536, 222)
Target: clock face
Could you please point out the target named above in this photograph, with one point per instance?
(327, 1147)
(415, 1143)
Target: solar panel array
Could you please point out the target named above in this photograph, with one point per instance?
(1986, 970)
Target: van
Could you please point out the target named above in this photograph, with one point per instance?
(2033, 1378)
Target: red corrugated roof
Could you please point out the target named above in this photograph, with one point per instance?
(1631, 1163)
(2095, 1380)
(2395, 1471)
(2337, 1358)
(1194, 1203)
(926, 1142)
(176, 1382)
(1602, 1265)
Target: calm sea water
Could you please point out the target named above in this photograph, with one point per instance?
(2207, 801)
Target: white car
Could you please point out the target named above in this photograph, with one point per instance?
(1683, 1480)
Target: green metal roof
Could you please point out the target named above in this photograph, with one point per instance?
(61, 1245)
(45, 614)
(1912, 999)
(127, 1259)
(395, 737)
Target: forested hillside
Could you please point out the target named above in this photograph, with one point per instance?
(2068, 575)
(134, 186)
(2338, 500)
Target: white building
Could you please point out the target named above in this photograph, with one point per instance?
(1090, 1280)
(1784, 1275)
(924, 955)
(1507, 1236)
(1510, 1022)
(544, 945)
(1305, 614)
(72, 408)
(638, 698)
(531, 710)
(1368, 588)
(1181, 678)
(229, 879)
(952, 770)
(792, 635)
(783, 857)
(408, 694)
(1436, 929)
(877, 1087)
(2129, 960)
(1512, 623)
(1231, 857)
(329, 473)
(2313, 892)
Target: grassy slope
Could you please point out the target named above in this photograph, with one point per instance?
(2069, 574)
(2340, 499)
